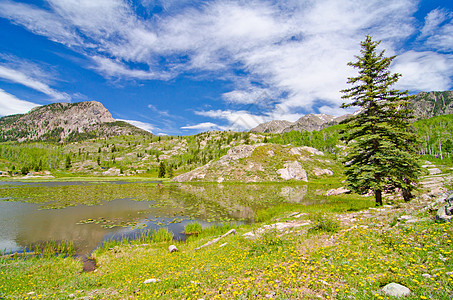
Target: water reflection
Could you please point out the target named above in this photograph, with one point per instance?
(139, 206)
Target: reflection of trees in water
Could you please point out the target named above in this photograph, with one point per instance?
(38, 226)
(240, 201)
(199, 201)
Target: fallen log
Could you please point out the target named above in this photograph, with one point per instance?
(232, 231)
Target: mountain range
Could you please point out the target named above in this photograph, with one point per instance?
(424, 105)
(68, 122)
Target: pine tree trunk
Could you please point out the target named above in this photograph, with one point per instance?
(378, 197)
(407, 195)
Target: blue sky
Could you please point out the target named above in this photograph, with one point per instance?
(182, 67)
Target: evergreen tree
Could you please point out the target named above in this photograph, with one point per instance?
(382, 149)
(161, 173)
(170, 171)
(68, 163)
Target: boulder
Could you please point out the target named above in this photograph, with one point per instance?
(395, 290)
(293, 170)
(320, 172)
(299, 151)
(172, 248)
(434, 171)
(339, 191)
(152, 280)
(444, 214)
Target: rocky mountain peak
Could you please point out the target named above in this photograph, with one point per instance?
(64, 121)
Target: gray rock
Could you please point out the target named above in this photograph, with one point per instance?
(152, 280)
(444, 214)
(396, 290)
(320, 172)
(339, 191)
(293, 170)
(172, 248)
(426, 275)
(434, 171)
(248, 235)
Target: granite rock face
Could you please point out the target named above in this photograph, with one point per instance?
(293, 171)
(64, 121)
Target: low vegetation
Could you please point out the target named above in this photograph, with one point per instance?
(336, 256)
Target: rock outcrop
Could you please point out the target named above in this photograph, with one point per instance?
(430, 104)
(293, 171)
(64, 122)
(310, 122)
(261, 162)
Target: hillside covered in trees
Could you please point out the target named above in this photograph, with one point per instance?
(141, 155)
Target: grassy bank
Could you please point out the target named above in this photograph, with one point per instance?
(369, 249)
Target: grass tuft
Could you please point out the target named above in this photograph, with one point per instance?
(324, 222)
(192, 228)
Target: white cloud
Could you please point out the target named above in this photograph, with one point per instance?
(111, 68)
(21, 78)
(40, 22)
(256, 96)
(296, 51)
(238, 120)
(10, 105)
(438, 30)
(145, 126)
(160, 112)
(424, 71)
(203, 126)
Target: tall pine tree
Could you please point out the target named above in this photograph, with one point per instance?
(381, 155)
(162, 171)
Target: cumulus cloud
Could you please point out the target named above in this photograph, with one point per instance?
(295, 51)
(424, 71)
(11, 105)
(145, 126)
(238, 120)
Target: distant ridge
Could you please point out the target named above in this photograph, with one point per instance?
(310, 122)
(64, 122)
(424, 105)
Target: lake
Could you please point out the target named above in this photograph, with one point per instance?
(88, 213)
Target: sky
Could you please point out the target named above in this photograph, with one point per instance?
(181, 67)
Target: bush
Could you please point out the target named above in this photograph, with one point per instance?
(324, 222)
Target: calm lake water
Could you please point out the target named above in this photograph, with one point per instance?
(88, 213)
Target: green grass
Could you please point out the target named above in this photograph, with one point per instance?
(192, 228)
(355, 264)
(328, 261)
(324, 222)
(162, 235)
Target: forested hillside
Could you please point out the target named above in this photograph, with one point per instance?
(122, 155)
(144, 155)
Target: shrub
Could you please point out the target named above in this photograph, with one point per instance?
(324, 222)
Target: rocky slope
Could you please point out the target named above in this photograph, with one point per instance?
(264, 162)
(427, 105)
(424, 105)
(64, 122)
(310, 122)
